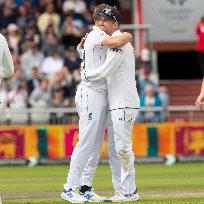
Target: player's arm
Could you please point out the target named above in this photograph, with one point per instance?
(200, 100)
(117, 41)
(113, 60)
(80, 46)
(6, 62)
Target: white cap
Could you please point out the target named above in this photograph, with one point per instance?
(12, 27)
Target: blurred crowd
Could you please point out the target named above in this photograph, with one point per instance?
(152, 95)
(42, 36)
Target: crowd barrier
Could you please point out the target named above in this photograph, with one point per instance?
(58, 141)
(69, 115)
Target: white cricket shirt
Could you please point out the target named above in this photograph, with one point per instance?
(94, 55)
(119, 70)
(6, 62)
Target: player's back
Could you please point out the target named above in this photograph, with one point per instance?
(94, 56)
(123, 80)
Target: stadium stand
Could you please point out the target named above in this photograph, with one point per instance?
(44, 34)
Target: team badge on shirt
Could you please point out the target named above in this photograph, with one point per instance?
(116, 50)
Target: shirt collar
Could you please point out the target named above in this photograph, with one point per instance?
(96, 28)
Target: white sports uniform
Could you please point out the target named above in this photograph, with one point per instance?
(91, 103)
(123, 99)
(6, 63)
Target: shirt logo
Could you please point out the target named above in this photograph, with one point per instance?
(177, 2)
(90, 116)
(116, 50)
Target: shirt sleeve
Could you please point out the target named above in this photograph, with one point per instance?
(80, 51)
(113, 60)
(6, 62)
(101, 35)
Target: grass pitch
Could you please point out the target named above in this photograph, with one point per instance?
(157, 183)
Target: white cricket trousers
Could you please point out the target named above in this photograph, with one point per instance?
(122, 124)
(90, 169)
(119, 125)
(92, 110)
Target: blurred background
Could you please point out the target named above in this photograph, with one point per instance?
(37, 114)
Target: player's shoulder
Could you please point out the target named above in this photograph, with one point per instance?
(2, 38)
(97, 32)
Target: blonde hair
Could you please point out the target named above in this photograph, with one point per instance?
(98, 10)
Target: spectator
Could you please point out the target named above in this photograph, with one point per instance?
(71, 80)
(14, 37)
(41, 96)
(31, 58)
(145, 62)
(17, 63)
(58, 99)
(77, 21)
(72, 61)
(49, 17)
(51, 43)
(22, 17)
(59, 81)
(7, 17)
(17, 97)
(30, 36)
(78, 6)
(71, 33)
(52, 64)
(146, 81)
(164, 96)
(150, 99)
(10, 3)
(34, 81)
(32, 2)
(200, 43)
(17, 78)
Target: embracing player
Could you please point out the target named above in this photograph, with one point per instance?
(6, 62)
(91, 103)
(123, 99)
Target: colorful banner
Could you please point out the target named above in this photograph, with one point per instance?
(11, 144)
(190, 141)
(58, 141)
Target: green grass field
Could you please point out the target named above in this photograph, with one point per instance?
(157, 183)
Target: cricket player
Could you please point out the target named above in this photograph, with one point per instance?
(6, 62)
(200, 100)
(91, 104)
(123, 99)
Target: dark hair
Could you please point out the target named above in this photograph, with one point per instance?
(202, 18)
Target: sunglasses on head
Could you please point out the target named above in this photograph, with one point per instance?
(109, 14)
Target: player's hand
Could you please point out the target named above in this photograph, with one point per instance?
(81, 44)
(200, 102)
(128, 36)
(83, 75)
